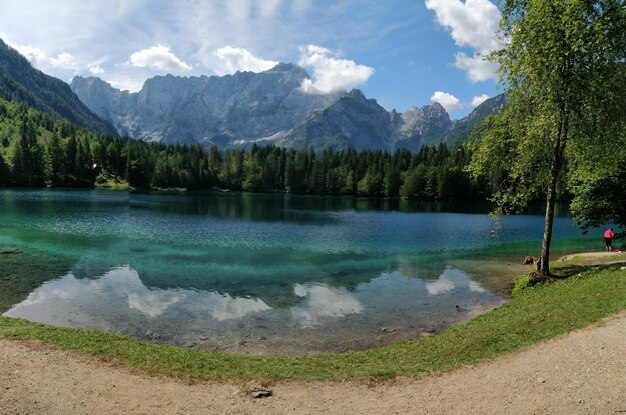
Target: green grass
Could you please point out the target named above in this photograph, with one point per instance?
(107, 181)
(521, 283)
(578, 298)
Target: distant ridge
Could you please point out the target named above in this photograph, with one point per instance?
(270, 108)
(353, 121)
(220, 110)
(236, 110)
(22, 83)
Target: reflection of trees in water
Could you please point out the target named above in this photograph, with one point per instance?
(287, 207)
(23, 272)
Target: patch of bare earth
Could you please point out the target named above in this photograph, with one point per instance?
(603, 256)
(580, 373)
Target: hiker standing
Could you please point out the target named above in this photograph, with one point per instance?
(608, 239)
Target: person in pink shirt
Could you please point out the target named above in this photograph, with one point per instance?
(608, 239)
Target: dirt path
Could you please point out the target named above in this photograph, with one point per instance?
(580, 373)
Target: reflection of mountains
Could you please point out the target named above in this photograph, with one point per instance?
(272, 281)
(118, 299)
(274, 284)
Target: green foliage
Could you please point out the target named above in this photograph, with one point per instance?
(600, 199)
(28, 156)
(40, 150)
(521, 283)
(565, 77)
(4, 170)
(21, 83)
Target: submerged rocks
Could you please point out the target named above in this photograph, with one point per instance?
(529, 260)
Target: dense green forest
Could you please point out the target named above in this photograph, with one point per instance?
(20, 82)
(39, 150)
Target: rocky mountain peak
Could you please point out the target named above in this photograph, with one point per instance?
(357, 95)
(297, 71)
(245, 106)
(429, 123)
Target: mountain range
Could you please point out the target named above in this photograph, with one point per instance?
(236, 110)
(268, 108)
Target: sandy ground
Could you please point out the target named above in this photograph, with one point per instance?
(593, 255)
(580, 373)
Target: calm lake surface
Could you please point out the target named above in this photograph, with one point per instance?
(262, 274)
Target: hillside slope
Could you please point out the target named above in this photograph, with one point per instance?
(22, 83)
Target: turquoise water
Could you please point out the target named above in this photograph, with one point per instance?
(259, 273)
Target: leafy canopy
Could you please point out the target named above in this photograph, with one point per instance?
(564, 73)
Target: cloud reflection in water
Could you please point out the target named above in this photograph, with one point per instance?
(120, 287)
(320, 301)
(152, 303)
(450, 279)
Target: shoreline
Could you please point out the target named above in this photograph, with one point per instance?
(573, 373)
(551, 350)
(517, 324)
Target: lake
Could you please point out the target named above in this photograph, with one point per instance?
(263, 274)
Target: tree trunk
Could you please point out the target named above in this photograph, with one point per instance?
(547, 228)
(558, 154)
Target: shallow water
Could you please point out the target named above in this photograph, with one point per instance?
(258, 273)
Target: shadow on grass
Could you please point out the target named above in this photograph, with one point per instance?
(567, 271)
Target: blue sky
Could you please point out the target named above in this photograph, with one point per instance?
(401, 52)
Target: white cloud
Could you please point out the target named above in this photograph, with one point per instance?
(64, 60)
(35, 56)
(158, 57)
(477, 100)
(330, 73)
(448, 101)
(477, 68)
(230, 60)
(193, 29)
(471, 24)
(125, 83)
(95, 69)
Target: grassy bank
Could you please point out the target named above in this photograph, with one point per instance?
(580, 297)
(107, 181)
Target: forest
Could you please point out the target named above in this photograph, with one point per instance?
(38, 150)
